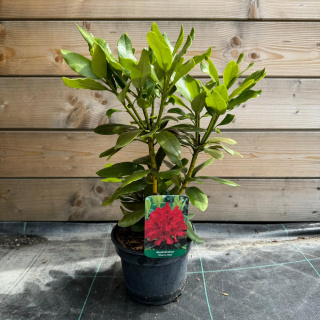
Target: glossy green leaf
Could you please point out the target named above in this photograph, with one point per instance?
(201, 166)
(87, 36)
(160, 155)
(169, 143)
(110, 112)
(99, 61)
(185, 68)
(112, 180)
(222, 139)
(127, 137)
(177, 111)
(79, 64)
(230, 72)
(240, 58)
(216, 102)
(256, 76)
(168, 174)
(167, 40)
(241, 88)
(179, 41)
(83, 84)
(109, 153)
(222, 181)
(228, 118)
(192, 86)
(191, 234)
(222, 90)
(178, 101)
(181, 86)
(243, 97)
(143, 104)
(125, 48)
(199, 102)
(122, 95)
(137, 175)
(119, 170)
(213, 73)
(188, 128)
(198, 198)
(112, 128)
(199, 58)
(131, 218)
(142, 70)
(161, 50)
(217, 154)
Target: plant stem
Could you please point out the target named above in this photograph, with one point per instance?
(134, 110)
(163, 99)
(213, 121)
(153, 166)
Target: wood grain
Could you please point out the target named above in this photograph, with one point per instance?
(165, 9)
(284, 48)
(80, 200)
(75, 154)
(46, 103)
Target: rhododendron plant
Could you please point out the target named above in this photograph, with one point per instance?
(149, 89)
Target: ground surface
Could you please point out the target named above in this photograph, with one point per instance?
(267, 271)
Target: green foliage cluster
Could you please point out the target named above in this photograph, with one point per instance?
(161, 73)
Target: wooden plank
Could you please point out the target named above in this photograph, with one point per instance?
(46, 103)
(80, 200)
(165, 9)
(75, 154)
(284, 48)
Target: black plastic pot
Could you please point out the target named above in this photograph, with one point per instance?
(152, 281)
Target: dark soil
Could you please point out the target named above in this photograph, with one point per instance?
(130, 239)
(17, 241)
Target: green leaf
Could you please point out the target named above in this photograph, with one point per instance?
(178, 101)
(126, 137)
(87, 36)
(191, 234)
(241, 88)
(198, 198)
(169, 143)
(201, 166)
(160, 155)
(122, 95)
(228, 118)
(213, 73)
(256, 76)
(142, 70)
(161, 50)
(138, 227)
(143, 104)
(222, 139)
(179, 41)
(240, 58)
(191, 216)
(243, 97)
(110, 112)
(168, 174)
(137, 175)
(109, 153)
(199, 58)
(177, 111)
(192, 86)
(143, 160)
(112, 128)
(83, 84)
(79, 64)
(130, 188)
(110, 57)
(188, 128)
(185, 68)
(230, 72)
(99, 61)
(222, 181)
(131, 219)
(119, 170)
(167, 40)
(217, 154)
(111, 180)
(125, 48)
(222, 90)
(217, 103)
(183, 50)
(199, 102)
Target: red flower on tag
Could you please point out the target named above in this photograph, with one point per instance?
(166, 225)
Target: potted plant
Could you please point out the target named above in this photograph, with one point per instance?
(149, 88)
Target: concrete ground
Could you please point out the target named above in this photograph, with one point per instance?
(243, 271)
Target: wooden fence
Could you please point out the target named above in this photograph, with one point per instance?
(49, 154)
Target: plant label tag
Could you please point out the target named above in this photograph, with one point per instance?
(166, 218)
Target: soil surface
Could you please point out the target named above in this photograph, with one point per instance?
(130, 239)
(17, 241)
